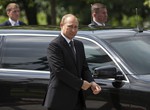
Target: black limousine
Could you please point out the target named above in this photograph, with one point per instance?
(119, 60)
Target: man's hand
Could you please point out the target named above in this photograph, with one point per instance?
(86, 85)
(95, 88)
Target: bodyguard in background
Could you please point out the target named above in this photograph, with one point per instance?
(70, 74)
(13, 12)
(99, 15)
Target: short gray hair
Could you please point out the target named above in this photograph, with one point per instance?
(96, 7)
(66, 16)
(11, 6)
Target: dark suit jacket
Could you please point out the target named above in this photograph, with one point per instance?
(7, 23)
(66, 74)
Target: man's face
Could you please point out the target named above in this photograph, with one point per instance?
(101, 16)
(70, 27)
(14, 14)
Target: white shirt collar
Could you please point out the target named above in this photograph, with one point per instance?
(13, 22)
(68, 40)
(99, 24)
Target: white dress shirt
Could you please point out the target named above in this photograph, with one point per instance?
(99, 24)
(13, 23)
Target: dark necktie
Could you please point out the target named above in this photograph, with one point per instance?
(71, 43)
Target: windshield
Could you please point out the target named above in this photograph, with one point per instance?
(135, 51)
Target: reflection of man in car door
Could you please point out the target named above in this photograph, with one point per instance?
(114, 95)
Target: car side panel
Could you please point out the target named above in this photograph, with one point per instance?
(24, 74)
(114, 94)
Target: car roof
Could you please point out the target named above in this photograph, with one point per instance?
(101, 33)
(114, 33)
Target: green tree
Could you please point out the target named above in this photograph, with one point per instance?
(49, 12)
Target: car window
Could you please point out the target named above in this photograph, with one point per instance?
(26, 52)
(96, 57)
(0, 49)
(135, 51)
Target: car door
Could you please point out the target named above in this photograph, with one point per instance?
(1, 46)
(1, 40)
(115, 93)
(24, 72)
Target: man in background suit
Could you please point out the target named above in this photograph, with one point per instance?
(70, 74)
(13, 12)
(99, 15)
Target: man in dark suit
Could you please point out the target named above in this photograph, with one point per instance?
(13, 12)
(69, 70)
(99, 15)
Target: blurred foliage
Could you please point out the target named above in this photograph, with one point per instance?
(42, 18)
(47, 12)
(147, 3)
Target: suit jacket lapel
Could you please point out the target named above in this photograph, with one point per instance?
(8, 23)
(66, 45)
(77, 54)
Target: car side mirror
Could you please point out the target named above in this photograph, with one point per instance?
(106, 72)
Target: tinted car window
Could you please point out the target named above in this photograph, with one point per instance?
(25, 52)
(0, 49)
(135, 51)
(0, 40)
(95, 56)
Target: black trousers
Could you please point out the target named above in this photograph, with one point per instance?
(80, 105)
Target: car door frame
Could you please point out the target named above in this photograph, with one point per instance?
(111, 96)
